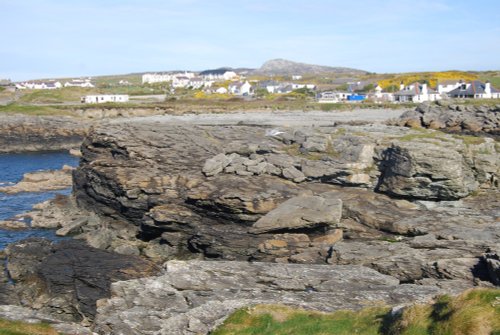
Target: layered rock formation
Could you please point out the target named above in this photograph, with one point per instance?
(448, 116)
(19, 133)
(289, 195)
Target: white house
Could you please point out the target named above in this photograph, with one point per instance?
(447, 86)
(199, 82)
(180, 81)
(219, 75)
(240, 88)
(475, 90)
(299, 86)
(221, 90)
(79, 83)
(151, 78)
(103, 98)
(416, 93)
(332, 97)
(380, 96)
(296, 77)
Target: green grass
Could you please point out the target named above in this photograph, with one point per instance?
(21, 328)
(67, 94)
(475, 312)
(280, 320)
(422, 133)
(15, 108)
(470, 140)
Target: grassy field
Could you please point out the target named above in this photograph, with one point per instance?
(475, 312)
(21, 328)
(35, 110)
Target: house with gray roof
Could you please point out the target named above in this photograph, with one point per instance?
(416, 93)
(475, 90)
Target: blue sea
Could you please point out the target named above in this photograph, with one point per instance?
(12, 168)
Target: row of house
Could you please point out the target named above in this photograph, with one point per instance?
(53, 85)
(190, 79)
(247, 89)
(283, 88)
(39, 85)
(417, 93)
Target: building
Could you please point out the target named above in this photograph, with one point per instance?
(180, 81)
(5, 82)
(380, 96)
(221, 90)
(270, 86)
(331, 97)
(416, 93)
(152, 78)
(198, 82)
(475, 90)
(446, 86)
(104, 98)
(218, 75)
(50, 85)
(79, 83)
(240, 88)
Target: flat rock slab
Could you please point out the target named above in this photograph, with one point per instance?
(304, 211)
(192, 297)
(42, 181)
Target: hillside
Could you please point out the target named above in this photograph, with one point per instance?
(287, 67)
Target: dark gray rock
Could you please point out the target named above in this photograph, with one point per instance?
(65, 280)
(426, 171)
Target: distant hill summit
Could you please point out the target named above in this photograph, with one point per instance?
(287, 67)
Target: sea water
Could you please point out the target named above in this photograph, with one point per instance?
(12, 168)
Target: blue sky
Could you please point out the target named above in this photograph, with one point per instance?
(56, 38)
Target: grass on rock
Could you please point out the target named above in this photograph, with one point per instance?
(22, 328)
(474, 312)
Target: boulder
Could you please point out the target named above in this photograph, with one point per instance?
(428, 171)
(301, 212)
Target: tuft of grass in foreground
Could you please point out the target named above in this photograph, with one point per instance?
(474, 312)
(15, 108)
(281, 320)
(21, 328)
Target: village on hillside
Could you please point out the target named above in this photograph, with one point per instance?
(227, 83)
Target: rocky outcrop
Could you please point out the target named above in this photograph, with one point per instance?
(20, 133)
(65, 280)
(42, 181)
(193, 297)
(170, 191)
(448, 116)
